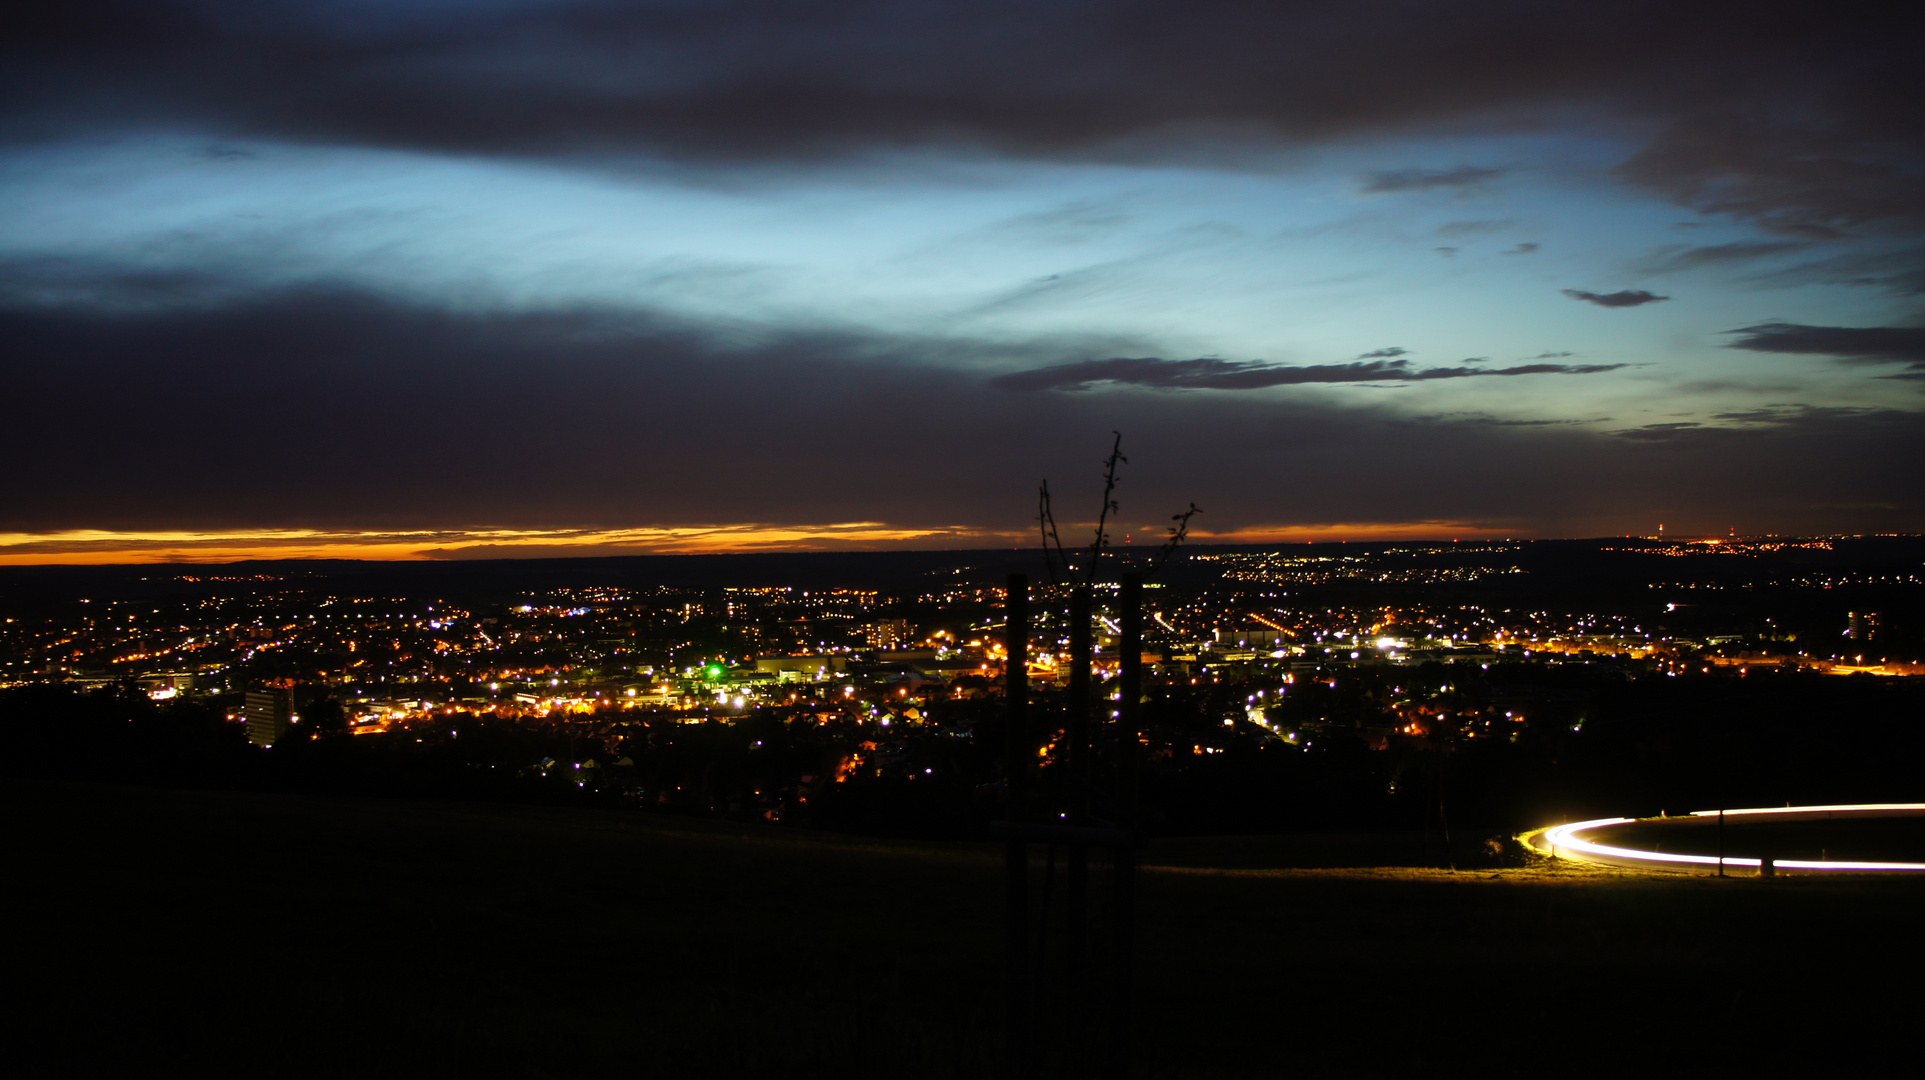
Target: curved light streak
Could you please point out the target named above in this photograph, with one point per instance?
(1893, 809)
(1569, 840)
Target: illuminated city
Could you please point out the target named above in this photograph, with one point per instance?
(857, 539)
(1398, 647)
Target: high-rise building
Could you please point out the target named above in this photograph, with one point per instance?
(1862, 626)
(268, 713)
(888, 633)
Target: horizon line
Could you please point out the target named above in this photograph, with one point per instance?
(95, 548)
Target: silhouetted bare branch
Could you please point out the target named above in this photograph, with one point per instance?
(1109, 504)
(1178, 533)
(1046, 520)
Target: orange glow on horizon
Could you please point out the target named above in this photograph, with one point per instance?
(1360, 531)
(102, 547)
(110, 547)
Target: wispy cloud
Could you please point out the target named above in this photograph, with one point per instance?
(1742, 423)
(1454, 229)
(1462, 178)
(1209, 373)
(1900, 271)
(1672, 260)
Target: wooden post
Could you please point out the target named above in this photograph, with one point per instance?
(1130, 682)
(1016, 754)
(1123, 940)
(1076, 788)
(1721, 839)
(1077, 734)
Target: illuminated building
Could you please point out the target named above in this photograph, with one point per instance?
(268, 713)
(790, 668)
(1258, 637)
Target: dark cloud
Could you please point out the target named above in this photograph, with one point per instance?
(1446, 252)
(1551, 356)
(1395, 180)
(1622, 298)
(1792, 413)
(1851, 344)
(1819, 175)
(1520, 369)
(1524, 249)
(335, 410)
(1798, 117)
(183, 399)
(1486, 420)
(1213, 374)
(1384, 354)
(1658, 432)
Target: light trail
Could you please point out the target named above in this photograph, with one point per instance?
(1896, 809)
(1569, 841)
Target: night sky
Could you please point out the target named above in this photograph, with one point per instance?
(514, 277)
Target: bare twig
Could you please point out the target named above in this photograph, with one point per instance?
(1109, 504)
(1178, 533)
(1046, 520)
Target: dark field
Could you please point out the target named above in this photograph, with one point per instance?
(170, 932)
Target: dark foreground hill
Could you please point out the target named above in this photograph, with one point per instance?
(155, 932)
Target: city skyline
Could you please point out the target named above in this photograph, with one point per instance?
(387, 280)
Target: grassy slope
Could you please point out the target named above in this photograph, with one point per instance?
(267, 934)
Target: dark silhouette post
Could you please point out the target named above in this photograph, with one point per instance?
(1721, 838)
(1016, 752)
(1076, 877)
(1130, 682)
(1073, 826)
(1123, 944)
